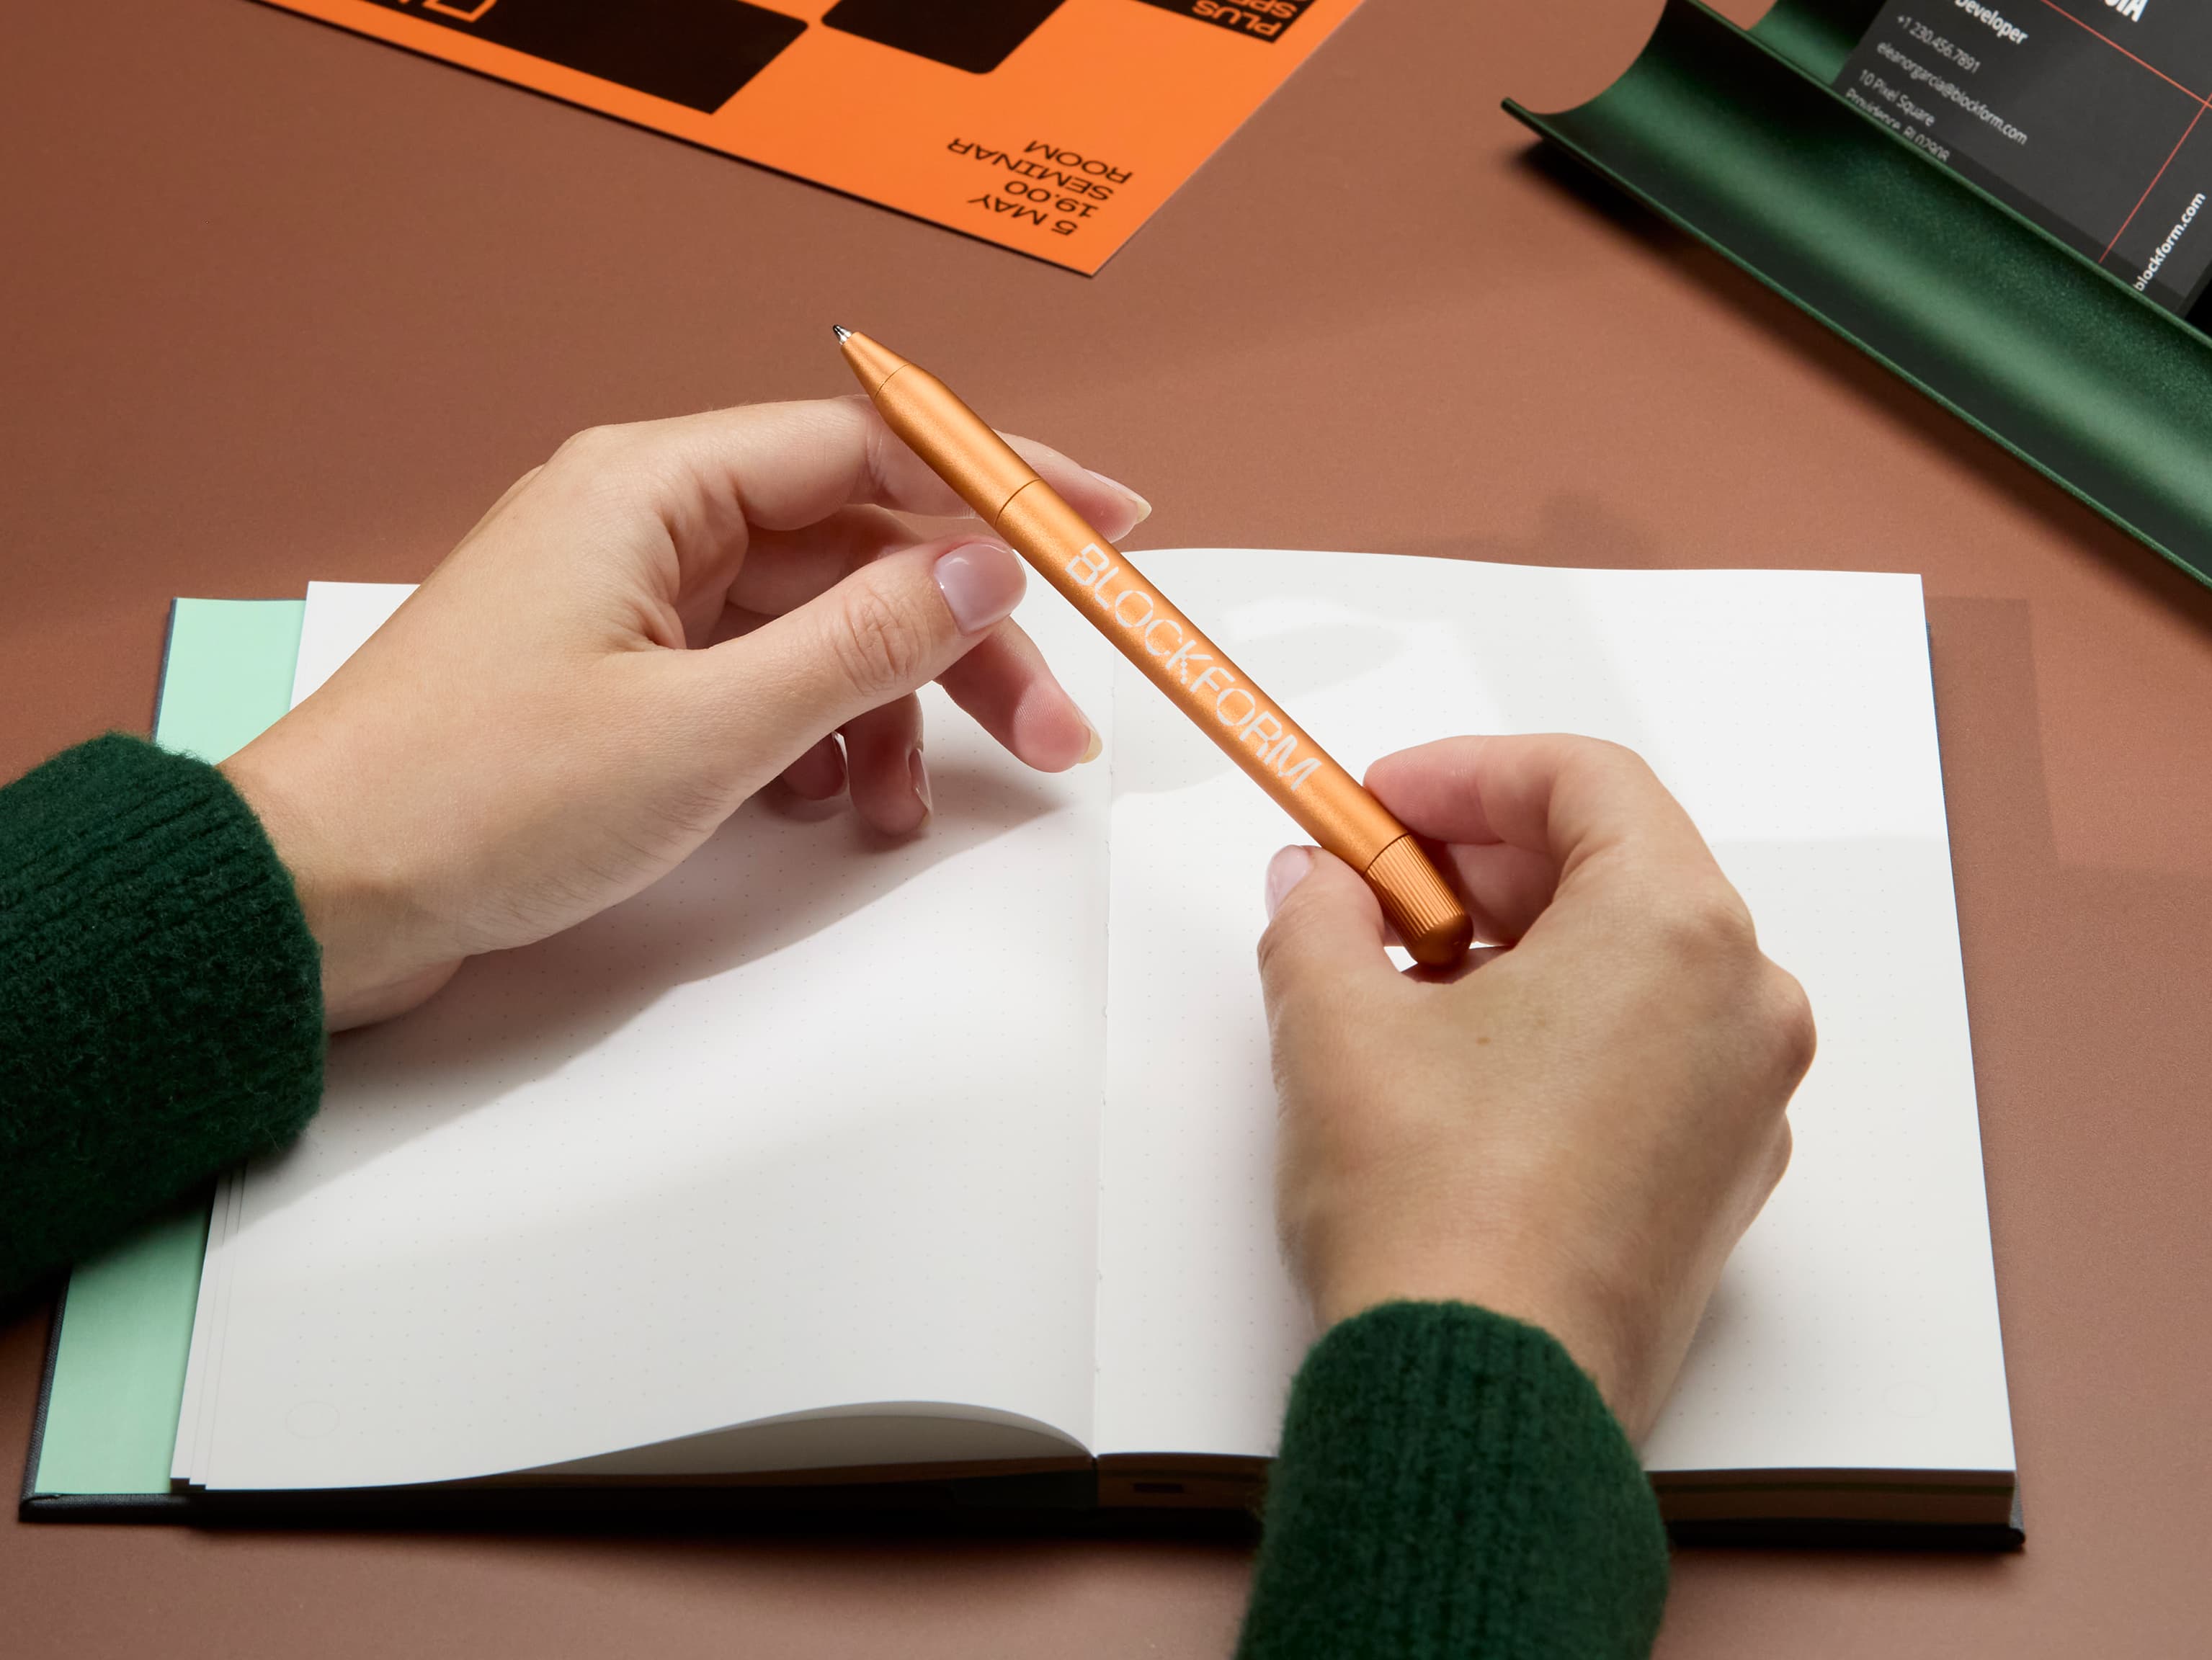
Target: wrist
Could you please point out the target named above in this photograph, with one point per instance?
(367, 921)
(1596, 1337)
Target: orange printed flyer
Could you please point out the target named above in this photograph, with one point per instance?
(1053, 127)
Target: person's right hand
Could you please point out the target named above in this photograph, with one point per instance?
(1574, 1131)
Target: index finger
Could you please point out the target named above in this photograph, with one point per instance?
(1522, 817)
(782, 466)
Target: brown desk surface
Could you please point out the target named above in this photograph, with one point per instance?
(280, 303)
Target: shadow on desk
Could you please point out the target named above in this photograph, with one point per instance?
(1782, 321)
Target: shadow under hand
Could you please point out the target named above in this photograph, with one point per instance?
(768, 881)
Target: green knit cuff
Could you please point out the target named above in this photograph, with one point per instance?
(1451, 1484)
(161, 997)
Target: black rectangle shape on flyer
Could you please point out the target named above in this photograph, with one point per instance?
(694, 52)
(975, 36)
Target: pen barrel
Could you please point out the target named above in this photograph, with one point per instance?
(959, 444)
(1175, 654)
(1168, 649)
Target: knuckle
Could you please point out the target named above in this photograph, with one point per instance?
(590, 445)
(1603, 754)
(1284, 957)
(1302, 909)
(881, 649)
(1276, 950)
(1612, 754)
(1789, 1021)
(1706, 926)
(1784, 1145)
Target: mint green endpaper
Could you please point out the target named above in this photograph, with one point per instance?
(119, 1374)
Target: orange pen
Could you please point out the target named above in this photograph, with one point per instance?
(1167, 647)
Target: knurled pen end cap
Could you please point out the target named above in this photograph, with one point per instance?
(1431, 922)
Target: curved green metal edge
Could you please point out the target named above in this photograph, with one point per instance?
(1738, 141)
(1817, 35)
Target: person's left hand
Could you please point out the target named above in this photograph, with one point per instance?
(640, 635)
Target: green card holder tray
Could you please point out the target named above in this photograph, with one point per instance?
(1737, 138)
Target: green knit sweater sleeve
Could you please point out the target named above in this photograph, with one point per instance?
(1451, 1484)
(161, 1001)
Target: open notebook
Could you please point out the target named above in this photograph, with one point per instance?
(829, 1157)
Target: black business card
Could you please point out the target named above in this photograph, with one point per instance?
(2089, 116)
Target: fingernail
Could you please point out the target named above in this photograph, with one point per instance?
(1285, 872)
(1144, 507)
(1093, 749)
(982, 583)
(918, 772)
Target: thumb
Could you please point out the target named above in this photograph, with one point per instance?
(890, 627)
(1326, 935)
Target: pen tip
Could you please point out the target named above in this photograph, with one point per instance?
(843, 333)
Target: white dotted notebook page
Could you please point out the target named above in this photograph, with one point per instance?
(1792, 714)
(811, 1123)
(814, 1128)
